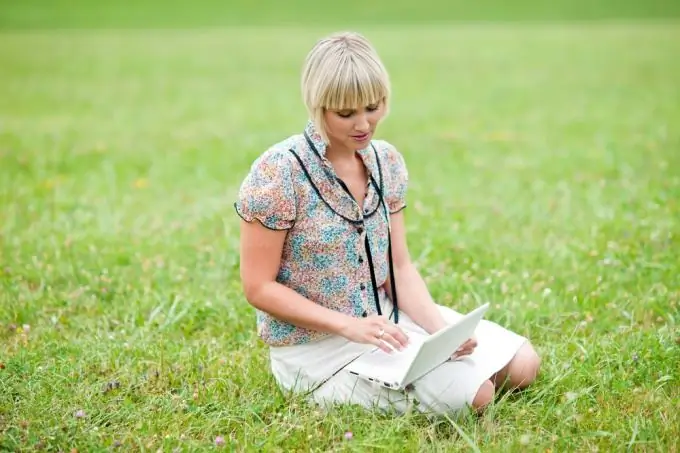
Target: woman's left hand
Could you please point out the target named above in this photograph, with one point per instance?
(465, 349)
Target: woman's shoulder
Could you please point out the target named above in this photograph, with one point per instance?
(267, 192)
(390, 156)
(396, 174)
(384, 147)
(277, 155)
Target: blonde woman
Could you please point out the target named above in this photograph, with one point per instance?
(324, 257)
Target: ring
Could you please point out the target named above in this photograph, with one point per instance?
(381, 333)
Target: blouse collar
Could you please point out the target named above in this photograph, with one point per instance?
(318, 146)
(324, 177)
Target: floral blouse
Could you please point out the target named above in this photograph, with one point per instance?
(292, 186)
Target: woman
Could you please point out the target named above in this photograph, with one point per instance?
(322, 219)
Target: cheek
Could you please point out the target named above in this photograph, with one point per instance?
(376, 116)
(337, 126)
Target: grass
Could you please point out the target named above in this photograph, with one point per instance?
(544, 178)
(30, 14)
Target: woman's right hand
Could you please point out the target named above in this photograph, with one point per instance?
(375, 330)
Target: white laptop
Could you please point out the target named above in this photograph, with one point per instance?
(423, 354)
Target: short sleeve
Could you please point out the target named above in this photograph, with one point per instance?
(267, 193)
(397, 179)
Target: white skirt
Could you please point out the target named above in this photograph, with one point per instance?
(316, 369)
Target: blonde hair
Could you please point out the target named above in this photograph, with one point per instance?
(342, 71)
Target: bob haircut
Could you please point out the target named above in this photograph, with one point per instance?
(343, 71)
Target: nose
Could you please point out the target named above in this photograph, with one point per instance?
(362, 125)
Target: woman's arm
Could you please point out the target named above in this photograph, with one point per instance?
(260, 260)
(260, 252)
(414, 298)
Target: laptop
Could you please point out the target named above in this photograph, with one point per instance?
(423, 354)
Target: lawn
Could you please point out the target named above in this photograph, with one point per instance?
(545, 178)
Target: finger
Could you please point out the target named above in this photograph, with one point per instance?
(460, 354)
(389, 339)
(464, 350)
(398, 334)
(394, 330)
(381, 344)
(469, 344)
(468, 351)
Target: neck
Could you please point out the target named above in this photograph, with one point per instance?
(339, 153)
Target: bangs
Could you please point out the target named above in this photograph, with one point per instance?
(354, 85)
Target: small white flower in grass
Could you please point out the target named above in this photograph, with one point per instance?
(525, 439)
(571, 396)
(80, 413)
(546, 292)
(349, 435)
(219, 441)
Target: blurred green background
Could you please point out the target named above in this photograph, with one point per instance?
(543, 152)
(200, 13)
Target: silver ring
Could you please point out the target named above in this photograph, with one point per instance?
(381, 333)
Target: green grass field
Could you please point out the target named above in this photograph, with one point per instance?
(545, 178)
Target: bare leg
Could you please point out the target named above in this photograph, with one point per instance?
(484, 396)
(521, 371)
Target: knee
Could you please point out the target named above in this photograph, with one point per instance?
(525, 367)
(534, 365)
(484, 396)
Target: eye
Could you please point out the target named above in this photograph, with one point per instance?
(373, 107)
(345, 113)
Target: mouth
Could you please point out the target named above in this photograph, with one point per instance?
(362, 137)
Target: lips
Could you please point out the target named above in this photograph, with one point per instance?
(362, 137)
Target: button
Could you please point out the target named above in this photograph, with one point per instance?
(360, 230)
(364, 314)
(362, 287)
(361, 259)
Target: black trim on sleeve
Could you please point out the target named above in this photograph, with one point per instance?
(260, 221)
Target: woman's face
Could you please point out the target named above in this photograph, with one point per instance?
(352, 129)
